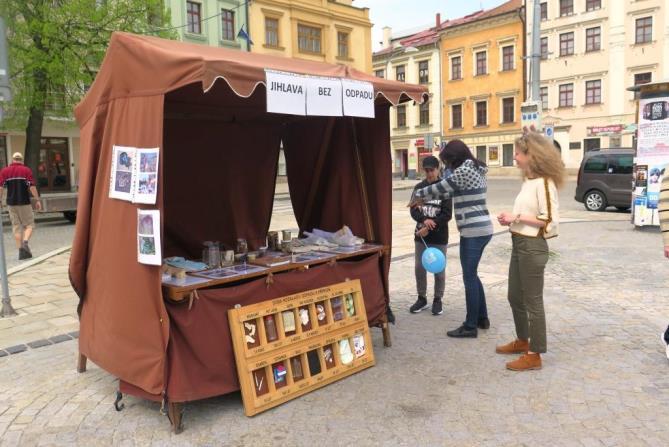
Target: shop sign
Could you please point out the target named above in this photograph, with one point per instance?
(420, 142)
(358, 98)
(286, 93)
(597, 131)
(324, 97)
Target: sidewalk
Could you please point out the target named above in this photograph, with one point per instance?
(604, 381)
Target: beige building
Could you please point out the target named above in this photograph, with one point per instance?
(332, 31)
(592, 50)
(415, 130)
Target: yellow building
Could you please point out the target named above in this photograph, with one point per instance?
(483, 82)
(332, 31)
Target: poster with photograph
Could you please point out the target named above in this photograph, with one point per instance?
(134, 174)
(148, 237)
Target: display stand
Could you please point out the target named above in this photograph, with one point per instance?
(289, 346)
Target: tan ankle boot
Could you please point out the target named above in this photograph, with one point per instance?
(515, 347)
(526, 362)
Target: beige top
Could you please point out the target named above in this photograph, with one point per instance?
(538, 197)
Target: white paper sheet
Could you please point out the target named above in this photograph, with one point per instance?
(286, 93)
(358, 98)
(324, 96)
(134, 174)
(148, 237)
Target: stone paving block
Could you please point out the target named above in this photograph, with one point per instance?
(16, 349)
(60, 338)
(39, 343)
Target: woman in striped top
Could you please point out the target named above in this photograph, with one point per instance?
(467, 185)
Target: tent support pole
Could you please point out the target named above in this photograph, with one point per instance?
(175, 413)
(318, 170)
(363, 185)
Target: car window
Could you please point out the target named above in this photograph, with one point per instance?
(598, 163)
(621, 164)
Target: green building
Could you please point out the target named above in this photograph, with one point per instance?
(211, 22)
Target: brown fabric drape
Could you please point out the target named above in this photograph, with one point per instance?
(201, 357)
(123, 324)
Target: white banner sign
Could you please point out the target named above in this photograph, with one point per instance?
(286, 93)
(324, 97)
(358, 98)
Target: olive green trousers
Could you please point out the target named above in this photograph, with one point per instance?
(526, 289)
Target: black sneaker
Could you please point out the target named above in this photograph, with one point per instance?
(26, 248)
(420, 304)
(463, 332)
(484, 323)
(437, 308)
(23, 255)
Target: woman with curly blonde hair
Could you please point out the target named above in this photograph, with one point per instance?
(533, 220)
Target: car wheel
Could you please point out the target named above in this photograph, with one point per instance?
(595, 201)
(623, 208)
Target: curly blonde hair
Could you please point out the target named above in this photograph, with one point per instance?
(544, 158)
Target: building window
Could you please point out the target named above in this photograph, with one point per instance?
(423, 72)
(194, 17)
(456, 68)
(544, 48)
(508, 110)
(590, 144)
(591, 5)
(380, 73)
(507, 58)
(543, 93)
(482, 113)
(271, 32)
(481, 153)
(228, 21)
(593, 39)
(593, 92)
(507, 155)
(544, 11)
(401, 116)
(342, 44)
(309, 39)
(456, 116)
(567, 95)
(566, 7)
(644, 30)
(3, 151)
(424, 118)
(481, 63)
(400, 74)
(643, 78)
(567, 44)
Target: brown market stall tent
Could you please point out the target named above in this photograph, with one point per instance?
(205, 108)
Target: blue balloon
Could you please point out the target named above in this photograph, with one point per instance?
(433, 260)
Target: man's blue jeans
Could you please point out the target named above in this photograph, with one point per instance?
(471, 250)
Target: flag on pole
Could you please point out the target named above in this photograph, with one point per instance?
(244, 35)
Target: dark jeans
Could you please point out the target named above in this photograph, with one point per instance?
(471, 250)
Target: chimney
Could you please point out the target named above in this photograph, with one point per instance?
(438, 20)
(387, 36)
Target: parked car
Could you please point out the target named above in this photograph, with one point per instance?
(606, 179)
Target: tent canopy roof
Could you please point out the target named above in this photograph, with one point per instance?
(138, 65)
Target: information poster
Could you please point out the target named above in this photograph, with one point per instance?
(358, 98)
(324, 97)
(148, 237)
(286, 93)
(652, 159)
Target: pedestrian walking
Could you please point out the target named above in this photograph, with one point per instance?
(18, 179)
(431, 230)
(466, 183)
(663, 210)
(534, 219)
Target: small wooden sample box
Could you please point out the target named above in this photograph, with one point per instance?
(289, 346)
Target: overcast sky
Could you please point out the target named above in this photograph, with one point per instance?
(405, 15)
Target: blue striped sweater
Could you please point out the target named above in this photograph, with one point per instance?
(468, 187)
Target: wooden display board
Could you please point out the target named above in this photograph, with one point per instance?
(289, 346)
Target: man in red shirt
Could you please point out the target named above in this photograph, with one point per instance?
(18, 179)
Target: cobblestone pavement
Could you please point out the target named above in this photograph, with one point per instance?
(605, 379)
